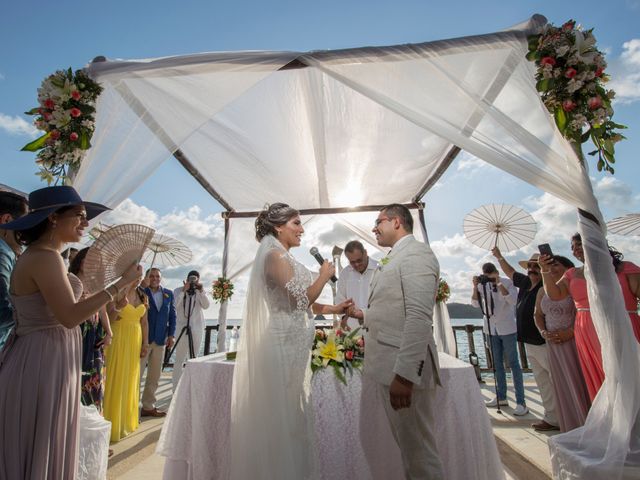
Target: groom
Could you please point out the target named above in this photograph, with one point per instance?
(401, 356)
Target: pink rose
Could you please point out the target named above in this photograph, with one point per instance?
(548, 61)
(594, 103)
(570, 72)
(348, 355)
(75, 112)
(55, 134)
(339, 333)
(360, 342)
(73, 136)
(599, 71)
(568, 25)
(48, 103)
(75, 95)
(568, 105)
(46, 116)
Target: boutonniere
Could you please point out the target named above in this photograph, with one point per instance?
(166, 295)
(384, 261)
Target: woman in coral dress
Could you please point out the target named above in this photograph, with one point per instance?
(573, 283)
(122, 362)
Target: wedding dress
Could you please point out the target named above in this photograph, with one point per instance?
(271, 417)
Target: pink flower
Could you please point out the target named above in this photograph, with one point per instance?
(55, 134)
(594, 103)
(75, 112)
(599, 71)
(48, 103)
(548, 61)
(75, 95)
(360, 342)
(568, 105)
(73, 136)
(339, 333)
(568, 25)
(570, 72)
(348, 355)
(46, 116)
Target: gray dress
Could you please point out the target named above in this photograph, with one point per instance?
(572, 397)
(40, 393)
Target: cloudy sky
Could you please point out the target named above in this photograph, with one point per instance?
(70, 35)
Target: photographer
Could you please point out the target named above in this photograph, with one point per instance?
(191, 298)
(496, 296)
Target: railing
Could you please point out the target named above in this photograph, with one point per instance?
(469, 329)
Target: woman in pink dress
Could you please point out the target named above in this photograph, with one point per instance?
(573, 283)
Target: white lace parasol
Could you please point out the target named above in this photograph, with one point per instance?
(167, 251)
(504, 226)
(627, 225)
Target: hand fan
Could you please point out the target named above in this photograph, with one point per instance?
(113, 252)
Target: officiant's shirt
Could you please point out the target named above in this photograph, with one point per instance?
(355, 285)
(502, 308)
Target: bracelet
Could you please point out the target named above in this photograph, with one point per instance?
(109, 294)
(545, 271)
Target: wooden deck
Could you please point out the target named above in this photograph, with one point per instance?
(524, 452)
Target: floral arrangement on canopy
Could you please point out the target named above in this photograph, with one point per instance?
(66, 114)
(444, 292)
(221, 290)
(336, 349)
(570, 78)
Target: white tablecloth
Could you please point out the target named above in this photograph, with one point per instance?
(195, 435)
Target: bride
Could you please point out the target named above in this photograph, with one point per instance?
(271, 416)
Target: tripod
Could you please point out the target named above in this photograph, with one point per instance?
(487, 314)
(189, 299)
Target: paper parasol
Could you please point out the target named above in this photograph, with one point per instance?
(627, 225)
(167, 251)
(504, 226)
(113, 252)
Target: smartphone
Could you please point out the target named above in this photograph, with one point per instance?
(545, 249)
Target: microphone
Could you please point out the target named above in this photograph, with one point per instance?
(316, 254)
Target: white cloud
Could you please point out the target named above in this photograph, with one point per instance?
(17, 125)
(625, 72)
(2, 77)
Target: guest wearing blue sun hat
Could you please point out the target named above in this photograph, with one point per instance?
(40, 367)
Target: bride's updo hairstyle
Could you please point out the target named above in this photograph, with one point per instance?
(273, 216)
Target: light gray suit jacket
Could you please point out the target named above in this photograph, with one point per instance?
(399, 316)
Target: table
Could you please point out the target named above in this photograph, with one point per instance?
(195, 435)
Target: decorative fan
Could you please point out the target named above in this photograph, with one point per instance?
(167, 251)
(504, 226)
(113, 252)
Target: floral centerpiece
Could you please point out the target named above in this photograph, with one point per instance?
(570, 78)
(443, 291)
(66, 115)
(222, 290)
(340, 350)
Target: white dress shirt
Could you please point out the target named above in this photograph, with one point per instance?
(502, 308)
(198, 303)
(355, 285)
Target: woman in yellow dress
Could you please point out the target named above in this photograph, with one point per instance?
(122, 361)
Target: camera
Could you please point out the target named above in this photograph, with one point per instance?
(484, 279)
(193, 282)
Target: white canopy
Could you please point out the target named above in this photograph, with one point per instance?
(364, 127)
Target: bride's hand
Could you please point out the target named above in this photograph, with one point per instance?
(343, 307)
(327, 270)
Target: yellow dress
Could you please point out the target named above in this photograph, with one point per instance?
(122, 365)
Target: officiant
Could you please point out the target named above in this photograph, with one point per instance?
(354, 281)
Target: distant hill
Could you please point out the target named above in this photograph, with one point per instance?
(463, 310)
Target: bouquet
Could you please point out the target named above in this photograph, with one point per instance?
(443, 291)
(66, 115)
(222, 290)
(570, 77)
(336, 349)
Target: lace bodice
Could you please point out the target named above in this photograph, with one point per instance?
(558, 314)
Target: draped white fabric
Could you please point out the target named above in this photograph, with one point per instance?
(442, 330)
(366, 126)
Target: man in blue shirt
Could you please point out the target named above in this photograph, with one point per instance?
(12, 207)
(162, 329)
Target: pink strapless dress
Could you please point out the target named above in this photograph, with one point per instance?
(587, 341)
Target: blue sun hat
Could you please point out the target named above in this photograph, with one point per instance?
(45, 201)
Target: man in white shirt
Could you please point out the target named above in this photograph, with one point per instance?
(354, 280)
(191, 298)
(497, 297)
